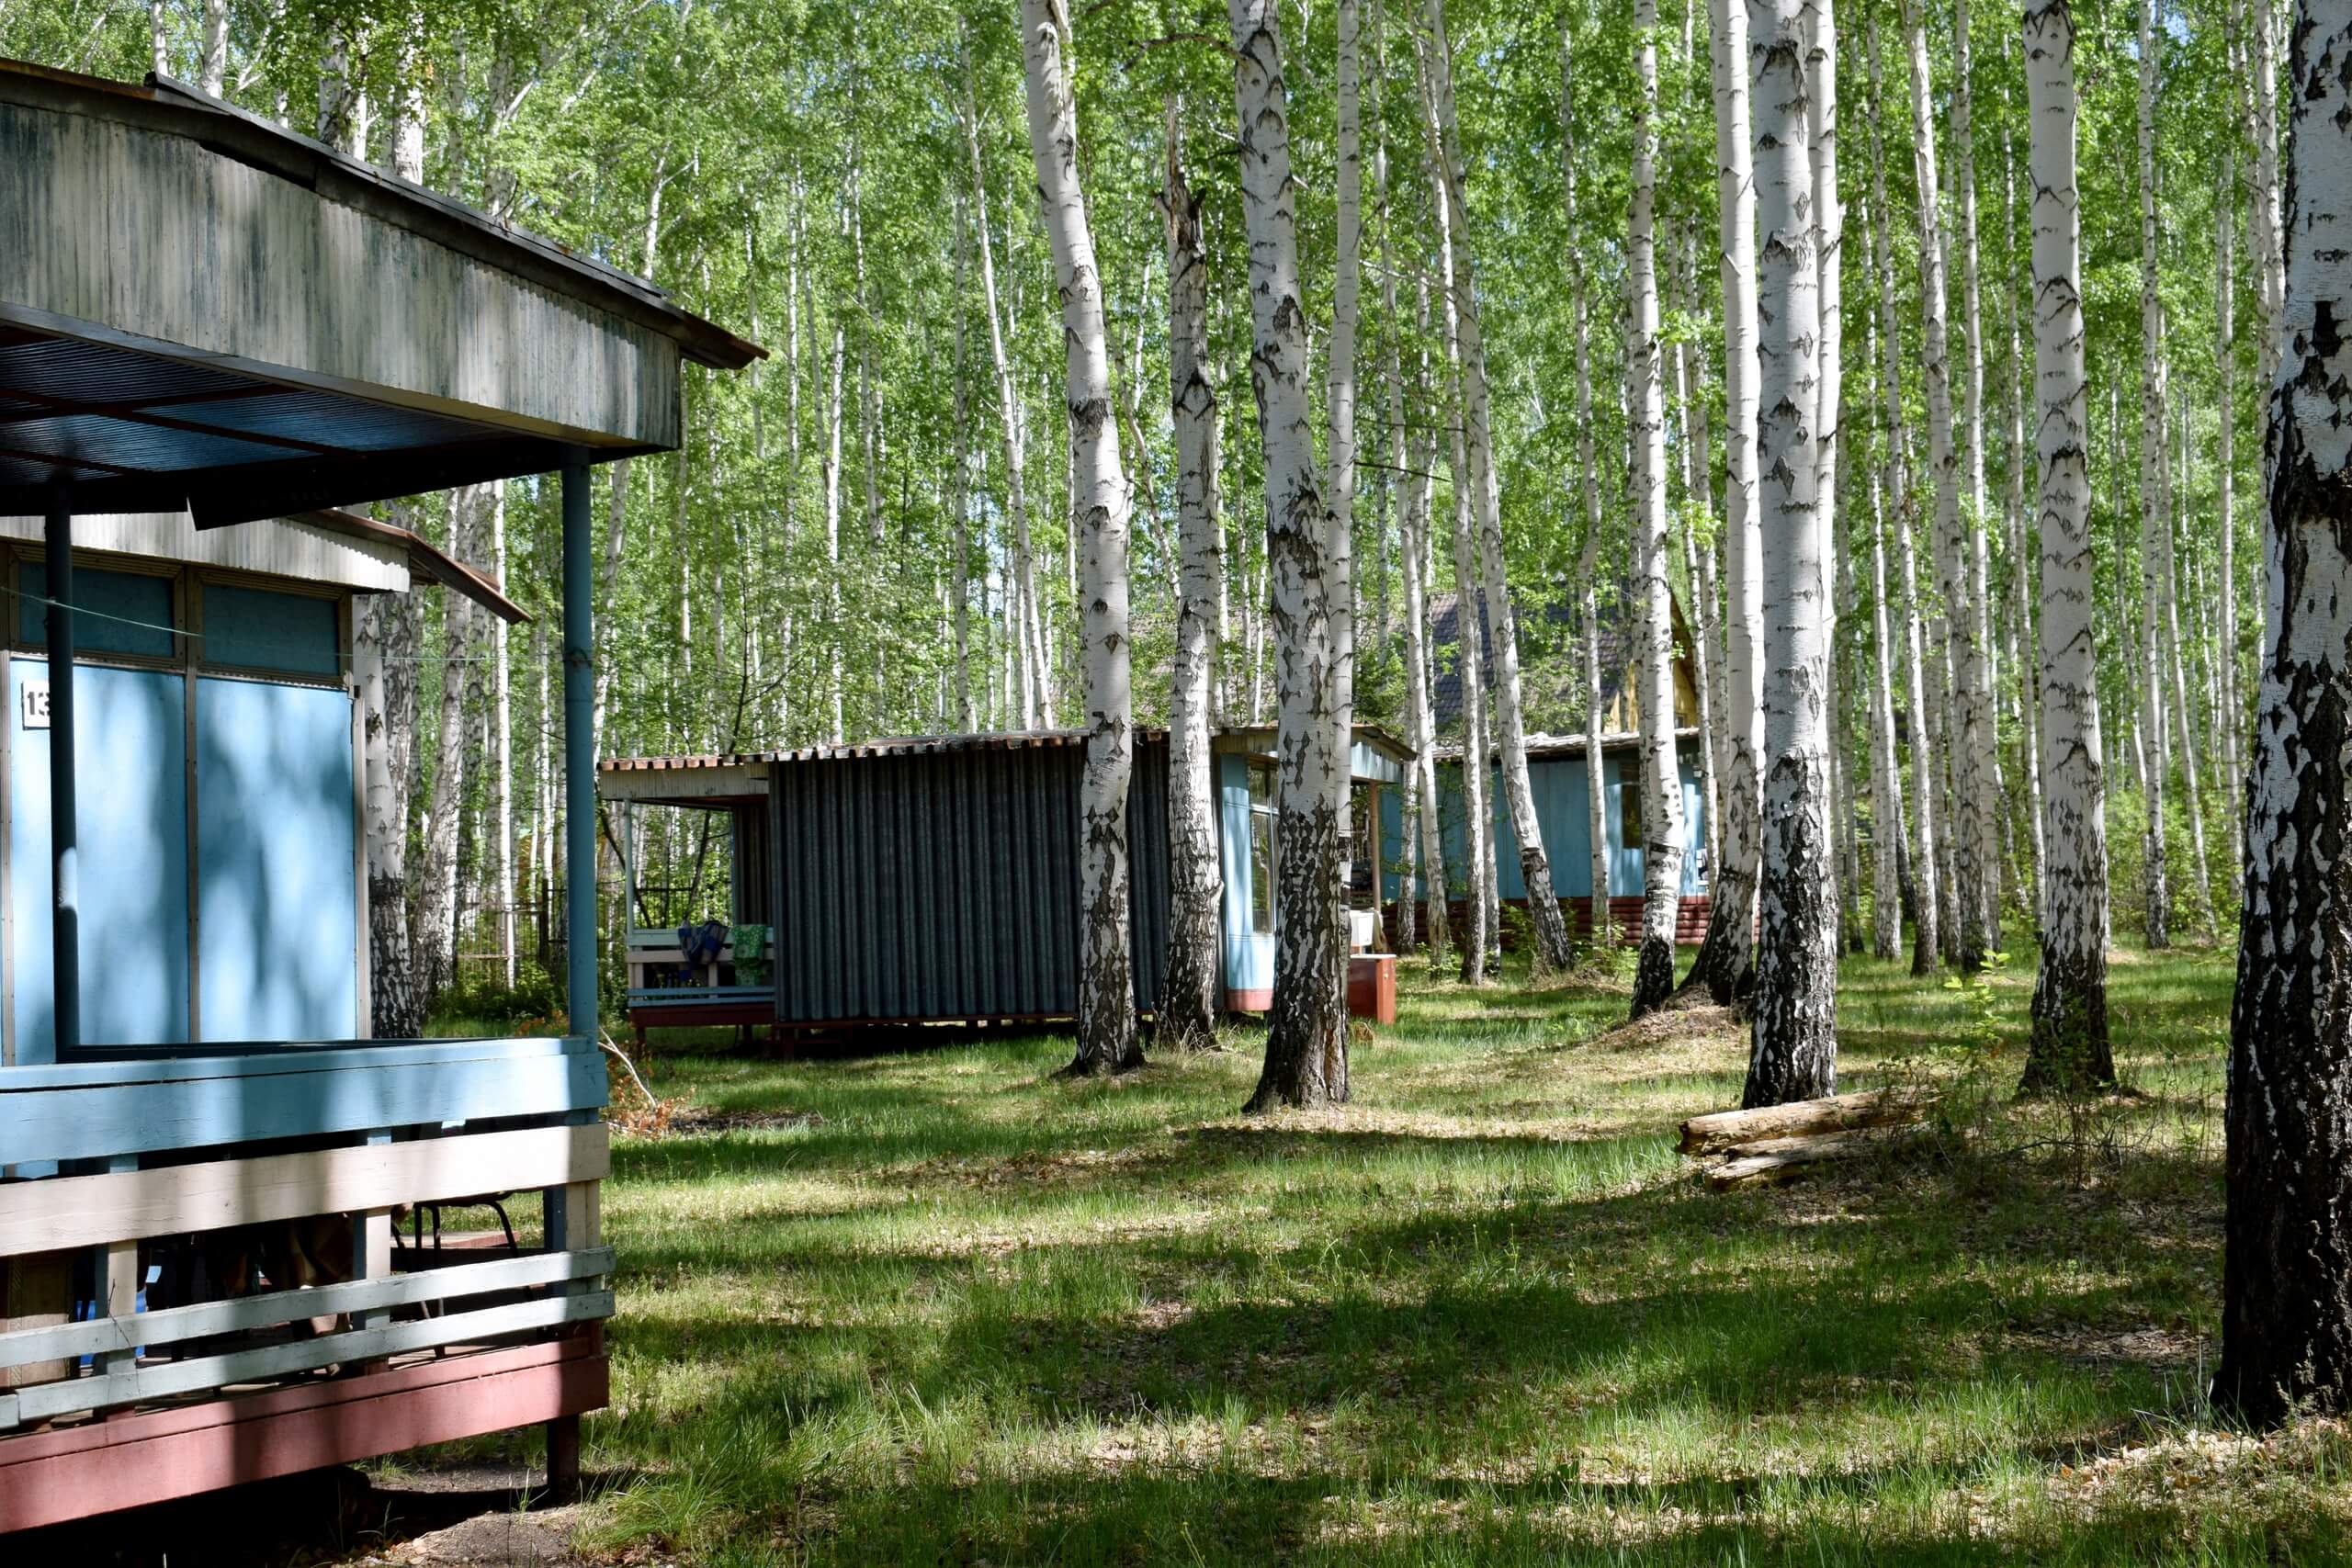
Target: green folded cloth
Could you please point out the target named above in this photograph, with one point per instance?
(750, 945)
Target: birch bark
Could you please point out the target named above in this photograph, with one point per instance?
(1028, 655)
(2069, 1043)
(2287, 1271)
(1887, 777)
(1339, 408)
(1518, 793)
(1795, 1055)
(2154, 525)
(1192, 994)
(1661, 784)
(1971, 825)
(1925, 893)
(1598, 928)
(1726, 961)
(1307, 1044)
(1101, 507)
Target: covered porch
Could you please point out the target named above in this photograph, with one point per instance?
(222, 321)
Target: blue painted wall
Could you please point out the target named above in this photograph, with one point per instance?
(129, 772)
(276, 900)
(1559, 784)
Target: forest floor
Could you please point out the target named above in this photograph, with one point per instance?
(947, 1307)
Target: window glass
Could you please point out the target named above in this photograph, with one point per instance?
(1262, 848)
(1629, 812)
(1261, 871)
(115, 612)
(253, 628)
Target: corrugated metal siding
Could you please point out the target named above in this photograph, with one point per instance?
(944, 884)
(753, 881)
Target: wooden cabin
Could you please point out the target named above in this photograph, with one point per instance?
(210, 329)
(934, 879)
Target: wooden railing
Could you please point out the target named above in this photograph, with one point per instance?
(133, 1151)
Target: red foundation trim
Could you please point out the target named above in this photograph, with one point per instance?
(99, 1467)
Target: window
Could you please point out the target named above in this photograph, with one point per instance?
(1629, 813)
(255, 629)
(118, 612)
(1262, 860)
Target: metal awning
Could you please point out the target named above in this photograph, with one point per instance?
(200, 309)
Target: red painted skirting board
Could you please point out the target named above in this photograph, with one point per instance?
(102, 1466)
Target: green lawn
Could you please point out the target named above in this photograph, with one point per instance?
(973, 1313)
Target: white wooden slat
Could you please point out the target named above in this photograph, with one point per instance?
(92, 1211)
(45, 1402)
(173, 1326)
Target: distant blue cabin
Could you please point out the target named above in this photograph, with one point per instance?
(1556, 769)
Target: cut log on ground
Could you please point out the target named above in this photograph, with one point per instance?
(1727, 1129)
(1769, 1161)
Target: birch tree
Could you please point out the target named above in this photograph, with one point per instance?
(2152, 521)
(1519, 791)
(1306, 1044)
(2286, 1269)
(1971, 826)
(1727, 961)
(1794, 1053)
(1190, 994)
(1661, 780)
(1598, 926)
(1924, 892)
(1101, 506)
(1028, 641)
(2069, 1043)
(1340, 409)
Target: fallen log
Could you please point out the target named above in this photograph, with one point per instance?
(1724, 1130)
(1771, 1161)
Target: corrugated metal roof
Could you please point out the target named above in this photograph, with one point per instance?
(166, 104)
(918, 745)
(1545, 746)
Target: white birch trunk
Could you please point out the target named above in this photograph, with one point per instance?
(1661, 781)
(2226, 353)
(2069, 1041)
(1340, 409)
(1307, 1046)
(1886, 776)
(1598, 928)
(1971, 821)
(1727, 961)
(1925, 891)
(1192, 995)
(1795, 1055)
(2270, 253)
(1518, 792)
(1101, 509)
(2153, 525)
(2285, 1338)
(959, 492)
(502, 696)
(1414, 549)
(1027, 655)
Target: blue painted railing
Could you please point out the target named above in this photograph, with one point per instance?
(108, 1108)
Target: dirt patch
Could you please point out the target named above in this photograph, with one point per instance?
(540, 1538)
(1692, 1022)
(679, 1118)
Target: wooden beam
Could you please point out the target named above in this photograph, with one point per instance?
(75, 1472)
(92, 1211)
(173, 1326)
(201, 1103)
(45, 1402)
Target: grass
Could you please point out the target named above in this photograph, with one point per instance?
(973, 1313)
